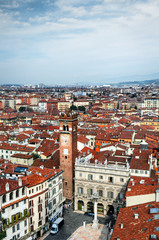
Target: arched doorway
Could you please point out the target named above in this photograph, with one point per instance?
(100, 208)
(90, 207)
(80, 205)
(110, 210)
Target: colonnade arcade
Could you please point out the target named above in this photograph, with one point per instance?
(88, 206)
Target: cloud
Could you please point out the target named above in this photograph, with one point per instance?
(84, 38)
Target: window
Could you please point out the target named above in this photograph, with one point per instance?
(121, 179)
(65, 157)
(60, 178)
(17, 204)
(89, 192)
(110, 194)
(36, 188)
(100, 177)
(54, 191)
(11, 196)
(39, 223)
(80, 174)
(80, 190)
(18, 226)
(13, 229)
(23, 191)
(24, 201)
(29, 191)
(50, 205)
(60, 197)
(110, 179)
(65, 184)
(33, 190)
(100, 192)
(17, 193)
(4, 198)
(90, 177)
(54, 201)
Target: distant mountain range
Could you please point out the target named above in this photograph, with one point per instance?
(141, 83)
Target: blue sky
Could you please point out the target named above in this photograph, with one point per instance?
(78, 41)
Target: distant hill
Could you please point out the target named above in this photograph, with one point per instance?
(10, 85)
(141, 83)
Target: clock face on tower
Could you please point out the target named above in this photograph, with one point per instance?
(64, 139)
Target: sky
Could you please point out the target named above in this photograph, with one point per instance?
(84, 42)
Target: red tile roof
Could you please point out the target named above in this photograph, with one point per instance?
(142, 186)
(140, 228)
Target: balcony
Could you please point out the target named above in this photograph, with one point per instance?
(7, 223)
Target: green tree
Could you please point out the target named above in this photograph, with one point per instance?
(82, 108)
(73, 107)
(22, 109)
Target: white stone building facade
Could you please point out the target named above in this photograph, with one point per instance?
(109, 180)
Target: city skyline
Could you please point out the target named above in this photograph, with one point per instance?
(70, 42)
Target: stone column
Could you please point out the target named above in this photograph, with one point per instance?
(75, 204)
(95, 224)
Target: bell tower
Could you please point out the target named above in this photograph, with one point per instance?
(68, 150)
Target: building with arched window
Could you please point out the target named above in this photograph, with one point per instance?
(109, 180)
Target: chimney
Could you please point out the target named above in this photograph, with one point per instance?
(136, 215)
(7, 187)
(20, 182)
(42, 166)
(142, 181)
(121, 225)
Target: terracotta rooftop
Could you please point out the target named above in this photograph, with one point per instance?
(137, 222)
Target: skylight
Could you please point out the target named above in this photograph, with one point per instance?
(154, 210)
